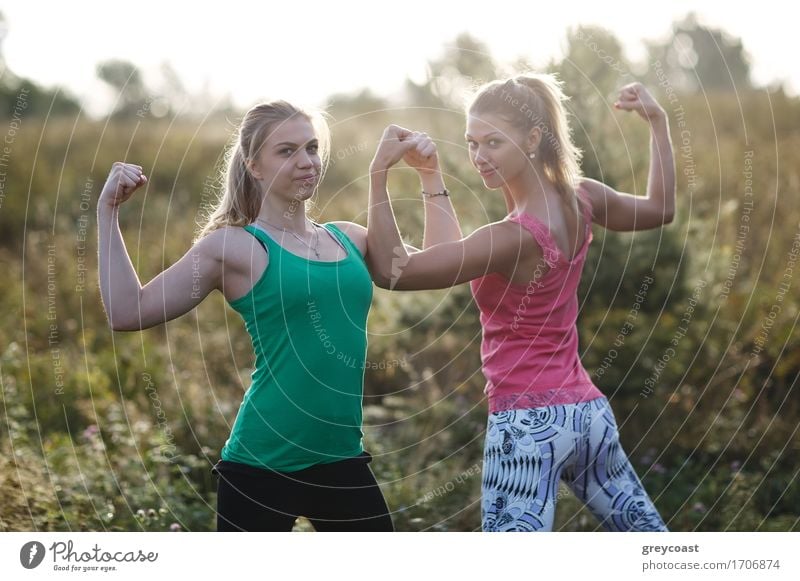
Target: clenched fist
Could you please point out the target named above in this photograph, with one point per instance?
(123, 180)
(635, 97)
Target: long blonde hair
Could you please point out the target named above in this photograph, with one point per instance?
(240, 200)
(536, 100)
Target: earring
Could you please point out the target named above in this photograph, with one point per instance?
(532, 154)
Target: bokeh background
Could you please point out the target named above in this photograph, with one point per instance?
(690, 330)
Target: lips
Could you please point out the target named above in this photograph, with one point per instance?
(306, 178)
(486, 173)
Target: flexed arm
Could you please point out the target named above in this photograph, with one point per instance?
(625, 212)
(128, 305)
(493, 248)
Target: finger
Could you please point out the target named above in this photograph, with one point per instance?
(409, 146)
(401, 132)
(134, 176)
(425, 146)
(626, 105)
(429, 150)
(132, 173)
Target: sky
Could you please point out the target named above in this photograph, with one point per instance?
(306, 50)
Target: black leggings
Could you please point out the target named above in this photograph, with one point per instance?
(339, 496)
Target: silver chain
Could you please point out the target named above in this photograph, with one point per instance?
(314, 248)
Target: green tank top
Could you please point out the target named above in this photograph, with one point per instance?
(307, 321)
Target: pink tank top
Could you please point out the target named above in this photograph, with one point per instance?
(530, 339)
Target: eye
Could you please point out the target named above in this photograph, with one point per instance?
(494, 142)
(286, 151)
(313, 148)
(471, 144)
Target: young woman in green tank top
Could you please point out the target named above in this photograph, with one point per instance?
(303, 290)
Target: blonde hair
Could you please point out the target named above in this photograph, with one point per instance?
(536, 100)
(240, 200)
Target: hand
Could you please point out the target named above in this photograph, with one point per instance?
(394, 144)
(635, 97)
(123, 180)
(423, 157)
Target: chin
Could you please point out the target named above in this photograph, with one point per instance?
(303, 193)
(493, 183)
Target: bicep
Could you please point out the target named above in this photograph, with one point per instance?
(487, 250)
(622, 212)
(181, 287)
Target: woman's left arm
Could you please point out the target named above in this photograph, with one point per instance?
(625, 212)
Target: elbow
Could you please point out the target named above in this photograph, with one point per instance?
(386, 280)
(668, 218)
(380, 280)
(386, 276)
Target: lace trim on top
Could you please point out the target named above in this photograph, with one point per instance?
(543, 397)
(551, 253)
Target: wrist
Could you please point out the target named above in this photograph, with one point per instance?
(432, 182)
(106, 208)
(378, 174)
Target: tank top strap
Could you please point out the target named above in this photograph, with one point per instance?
(344, 239)
(262, 237)
(550, 252)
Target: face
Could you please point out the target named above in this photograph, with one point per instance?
(288, 165)
(497, 149)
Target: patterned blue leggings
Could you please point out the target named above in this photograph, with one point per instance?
(527, 453)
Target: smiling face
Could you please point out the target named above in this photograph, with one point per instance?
(498, 149)
(288, 165)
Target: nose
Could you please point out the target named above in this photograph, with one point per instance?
(480, 159)
(305, 159)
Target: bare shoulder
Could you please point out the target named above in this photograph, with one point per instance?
(356, 233)
(230, 245)
(509, 239)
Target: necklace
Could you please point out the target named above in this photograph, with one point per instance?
(314, 248)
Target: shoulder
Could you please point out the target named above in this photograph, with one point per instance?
(229, 244)
(355, 232)
(507, 239)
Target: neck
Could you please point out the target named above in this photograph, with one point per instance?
(526, 190)
(288, 216)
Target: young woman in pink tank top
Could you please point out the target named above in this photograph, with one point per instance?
(547, 420)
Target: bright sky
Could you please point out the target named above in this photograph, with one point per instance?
(307, 50)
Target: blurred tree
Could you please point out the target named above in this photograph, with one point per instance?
(465, 64)
(593, 69)
(126, 79)
(698, 57)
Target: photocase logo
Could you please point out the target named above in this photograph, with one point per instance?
(399, 262)
(31, 554)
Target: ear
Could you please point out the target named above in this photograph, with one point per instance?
(534, 139)
(251, 167)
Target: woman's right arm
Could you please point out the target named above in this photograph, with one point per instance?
(174, 292)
